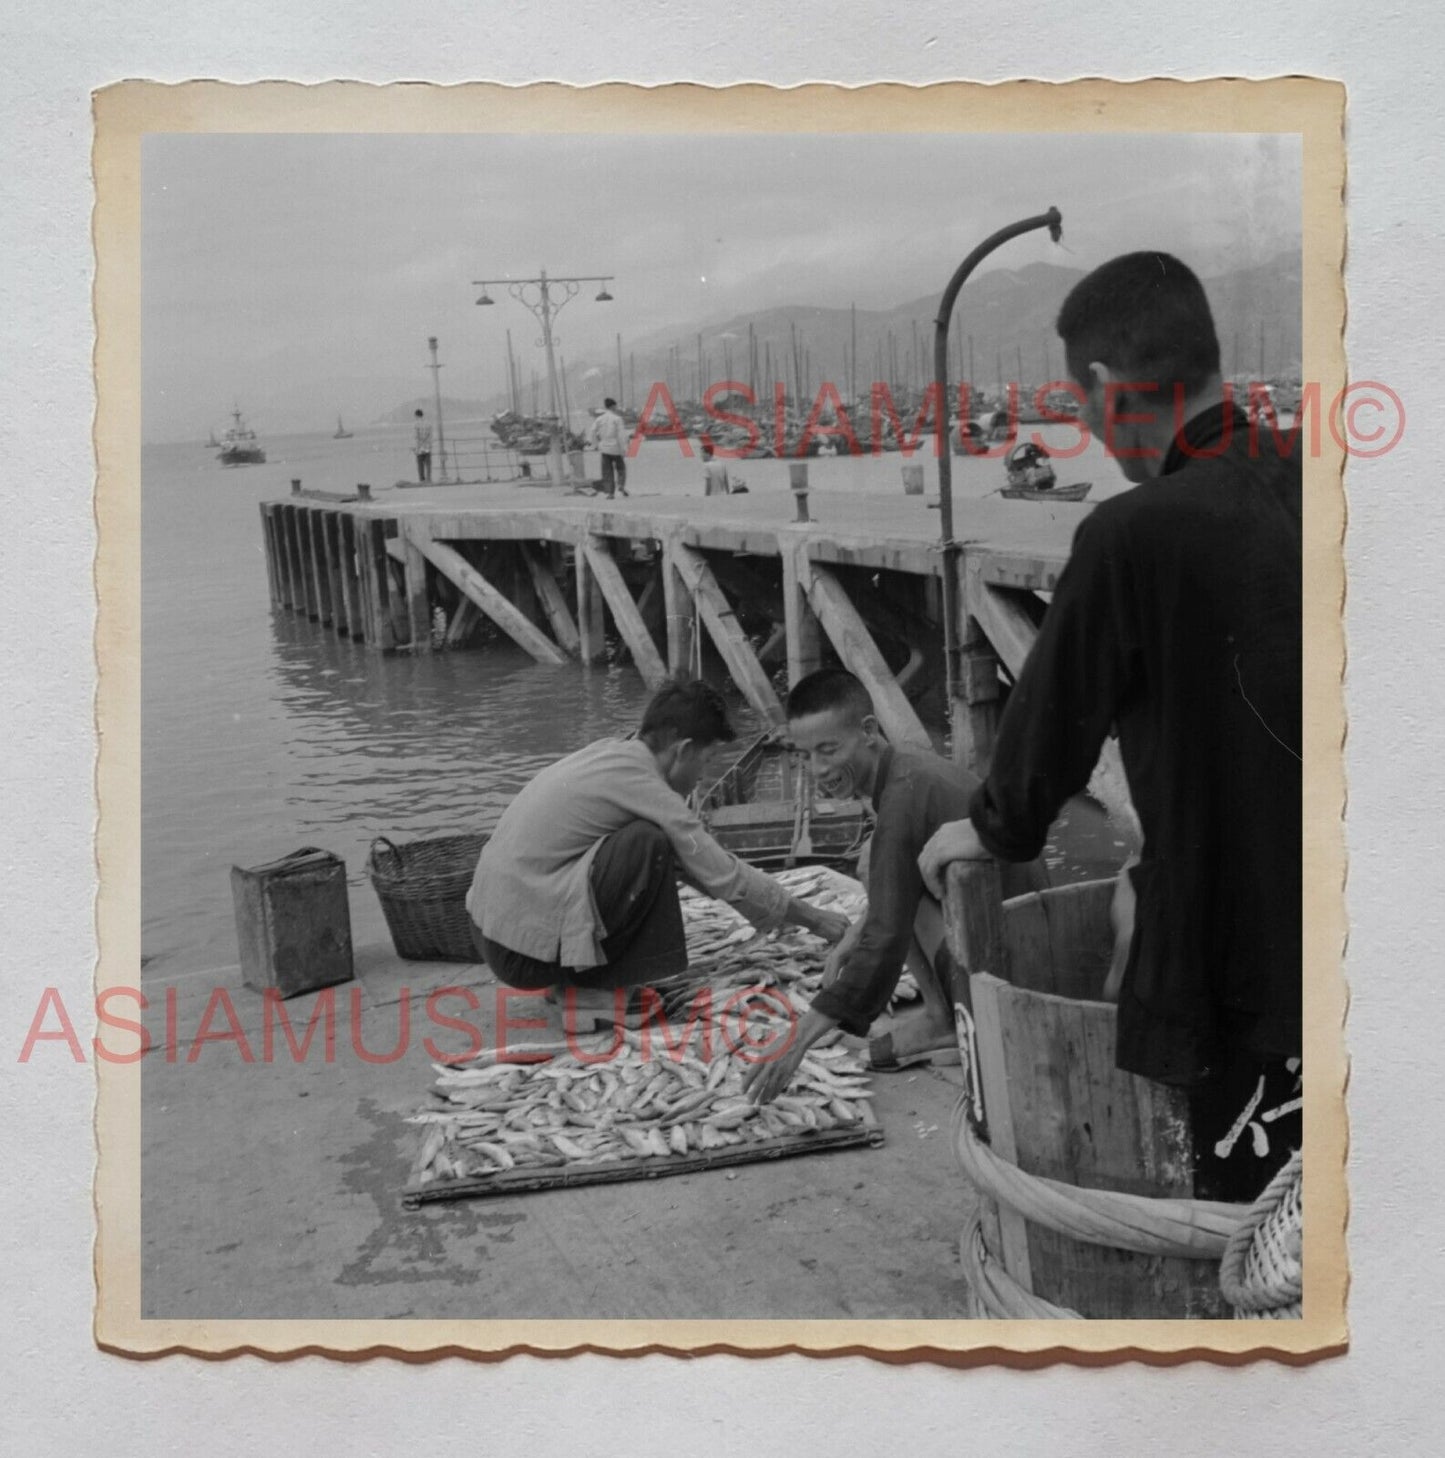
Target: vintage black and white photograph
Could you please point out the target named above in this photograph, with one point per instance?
(723, 727)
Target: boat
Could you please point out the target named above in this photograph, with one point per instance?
(341, 431)
(765, 808)
(1075, 492)
(1030, 477)
(239, 446)
(211, 442)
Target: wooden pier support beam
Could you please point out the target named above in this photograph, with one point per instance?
(451, 564)
(591, 625)
(268, 550)
(603, 566)
(418, 598)
(371, 545)
(860, 655)
(356, 623)
(681, 613)
(283, 558)
(291, 529)
(331, 545)
(804, 634)
(311, 565)
(464, 620)
(717, 613)
(552, 598)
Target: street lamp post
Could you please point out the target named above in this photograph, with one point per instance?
(951, 650)
(546, 297)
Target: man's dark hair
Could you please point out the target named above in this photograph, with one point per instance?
(1146, 316)
(689, 709)
(609, 403)
(829, 688)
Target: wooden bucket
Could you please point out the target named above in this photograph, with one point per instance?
(1055, 1106)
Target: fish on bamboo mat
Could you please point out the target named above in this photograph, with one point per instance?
(667, 1098)
(645, 1102)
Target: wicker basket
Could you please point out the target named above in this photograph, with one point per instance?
(422, 886)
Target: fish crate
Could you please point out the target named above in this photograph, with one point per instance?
(293, 923)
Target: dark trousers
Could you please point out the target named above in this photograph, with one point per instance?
(614, 473)
(634, 887)
(423, 465)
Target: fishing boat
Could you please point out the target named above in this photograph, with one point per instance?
(239, 446)
(211, 442)
(341, 431)
(1030, 477)
(1074, 492)
(765, 808)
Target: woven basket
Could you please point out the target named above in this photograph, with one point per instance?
(422, 886)
(1261, 1274)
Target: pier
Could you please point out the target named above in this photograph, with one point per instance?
(685, 581)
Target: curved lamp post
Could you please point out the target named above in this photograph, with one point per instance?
(1053, 221)
(546, 297)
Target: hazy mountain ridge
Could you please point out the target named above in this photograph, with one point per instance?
(1009, 314)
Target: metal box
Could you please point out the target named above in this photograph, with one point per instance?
(293, 922)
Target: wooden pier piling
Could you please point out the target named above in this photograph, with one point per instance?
(676, 578)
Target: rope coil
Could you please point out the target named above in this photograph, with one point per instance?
(1146, 1225)
(1262, 1275)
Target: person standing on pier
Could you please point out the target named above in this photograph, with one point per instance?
(422, 446)
(576, 890)
(609, 434)
(715, 479)
(913, 792)
(1178, 620)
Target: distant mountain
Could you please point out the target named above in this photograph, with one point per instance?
(404, 413)
(1007, 315)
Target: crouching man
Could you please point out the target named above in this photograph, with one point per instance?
(577, 887)
(913, 793)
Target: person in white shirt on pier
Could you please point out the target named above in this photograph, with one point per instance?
(609, 435)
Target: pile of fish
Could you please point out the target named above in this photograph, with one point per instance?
(725, 950)
(669, 1091)
(641, 1104)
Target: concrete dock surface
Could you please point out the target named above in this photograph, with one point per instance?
(273, 1189)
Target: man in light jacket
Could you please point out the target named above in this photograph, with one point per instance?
(577, 887)
(609, 435)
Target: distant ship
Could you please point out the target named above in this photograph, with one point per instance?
(341, 431)
(239, 446)
(211, 442)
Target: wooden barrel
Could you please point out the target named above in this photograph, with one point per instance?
(1055, 1106)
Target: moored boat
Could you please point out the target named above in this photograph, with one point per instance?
(1074, 492)
(766, 810)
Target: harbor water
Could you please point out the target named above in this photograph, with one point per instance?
(263, 732)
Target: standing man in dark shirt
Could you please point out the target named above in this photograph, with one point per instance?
(913, 791)
(1178, 619)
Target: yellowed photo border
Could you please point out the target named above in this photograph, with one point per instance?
(125, 113)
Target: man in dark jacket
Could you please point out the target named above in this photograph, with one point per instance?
(1177, 620)
(913, 791)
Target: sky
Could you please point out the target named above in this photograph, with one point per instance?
(300, 275)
